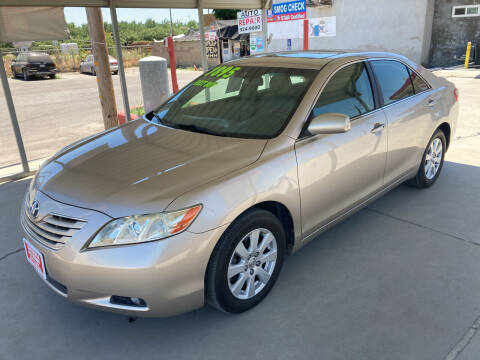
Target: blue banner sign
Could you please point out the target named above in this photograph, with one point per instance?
(292, 10)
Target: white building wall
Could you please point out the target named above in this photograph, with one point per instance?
(402, 27)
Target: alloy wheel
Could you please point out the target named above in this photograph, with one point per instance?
(433, 158)
(252, 264)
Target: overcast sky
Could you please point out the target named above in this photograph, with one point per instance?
(78, 16)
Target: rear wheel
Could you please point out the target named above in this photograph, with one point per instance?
(52, 76)
(432, 161)
(246, 262)
(115, 73)
(26, 77)
(92, 70)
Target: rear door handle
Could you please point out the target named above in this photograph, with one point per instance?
(431, 102)
(377, 127)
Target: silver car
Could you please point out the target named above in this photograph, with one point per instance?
(88, 65)
(201, 200)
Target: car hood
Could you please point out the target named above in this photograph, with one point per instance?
(140, 168)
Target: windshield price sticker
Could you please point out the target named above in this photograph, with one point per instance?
(204, 83)
(219, 72)
(223, 71)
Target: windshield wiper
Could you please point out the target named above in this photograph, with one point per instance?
(195, 128)
(159, 119)
(188, 127)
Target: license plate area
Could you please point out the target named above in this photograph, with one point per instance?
(35, 258)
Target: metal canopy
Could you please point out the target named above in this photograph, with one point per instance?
(176, 4)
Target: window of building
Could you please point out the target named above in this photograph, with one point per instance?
(466, 11)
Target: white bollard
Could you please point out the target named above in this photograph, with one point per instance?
(155, 83)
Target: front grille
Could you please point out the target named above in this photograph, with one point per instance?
(53, 230)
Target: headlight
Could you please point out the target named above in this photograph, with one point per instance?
(142, 228)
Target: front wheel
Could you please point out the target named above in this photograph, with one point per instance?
(25, 75)
(432, 161)
(52, 76)
(246, 262)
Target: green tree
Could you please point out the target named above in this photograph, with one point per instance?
(225, 14)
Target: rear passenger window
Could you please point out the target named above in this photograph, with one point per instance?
(347, 92)
(419, 84)
(394, 80)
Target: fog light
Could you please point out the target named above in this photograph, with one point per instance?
(127, 301)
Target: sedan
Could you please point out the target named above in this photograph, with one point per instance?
(88, 65)
(201, 200)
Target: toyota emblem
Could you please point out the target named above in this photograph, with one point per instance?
(34, 208)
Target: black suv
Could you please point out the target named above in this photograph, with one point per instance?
(30, 64)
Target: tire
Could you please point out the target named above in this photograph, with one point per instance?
(25, 75)
(235, 294)
(52, 76)
(115, 73)
(427, 175)
(14, 74)
(94, 73)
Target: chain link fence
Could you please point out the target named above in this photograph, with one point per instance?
(70, 61)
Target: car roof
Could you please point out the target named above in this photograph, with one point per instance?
(314, 59)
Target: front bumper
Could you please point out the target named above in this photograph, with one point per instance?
(167, 274)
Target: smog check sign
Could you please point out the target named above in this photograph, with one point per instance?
(292, 10)
(249, 21)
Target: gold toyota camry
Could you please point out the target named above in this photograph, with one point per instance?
(201, 199)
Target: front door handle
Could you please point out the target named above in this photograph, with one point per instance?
(377, 127)
(431, 102)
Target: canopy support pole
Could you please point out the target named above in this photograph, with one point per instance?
(13, 116)
(121, 69)
(202, 36)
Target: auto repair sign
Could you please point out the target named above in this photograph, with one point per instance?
(249, 21)
(292, 10)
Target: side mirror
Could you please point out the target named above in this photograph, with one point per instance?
(329, 123)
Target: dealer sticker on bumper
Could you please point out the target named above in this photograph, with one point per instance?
(35, 258)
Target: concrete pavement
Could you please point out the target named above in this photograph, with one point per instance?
(398, 280)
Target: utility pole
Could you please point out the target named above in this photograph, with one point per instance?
(106, 93)
(171, 23)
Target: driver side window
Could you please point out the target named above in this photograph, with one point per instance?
(347, 92)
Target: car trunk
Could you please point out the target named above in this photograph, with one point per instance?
(40, 63)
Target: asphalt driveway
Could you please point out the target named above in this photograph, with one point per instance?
(398, 280)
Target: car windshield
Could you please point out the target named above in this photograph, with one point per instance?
(34, 57)
(237, 101)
